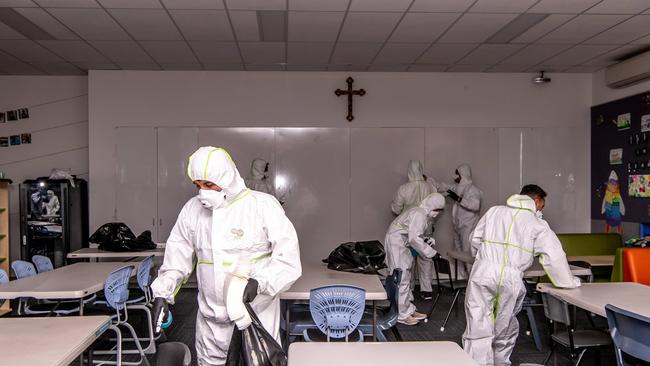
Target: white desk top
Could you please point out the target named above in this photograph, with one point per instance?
(48, 341)
(593, 297)
(314, 276)
(594, 260)
(69, 282)
(96, 253)
(378, 354)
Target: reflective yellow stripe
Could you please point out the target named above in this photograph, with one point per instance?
(507, 244)
(495, 301)
(547, 273)
(207, 162)
(178, 288)
(205, 170)
(241, 197)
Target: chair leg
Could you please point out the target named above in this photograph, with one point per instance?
(143, 357)
(582, 353)
(533, 328)
(451, 308)
(396, 333)
(433, 306)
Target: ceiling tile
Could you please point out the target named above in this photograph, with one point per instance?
(354, 53)
(442, 6)
(319, 5)
(368, 27)
(501, 6)
(347, 67)
(631, 29)
(16, 3)
(131, 4)
(68, 3)
(91, 24)
(46, 22)
(428, 68)
(400, 53)
(193, 4)
(468, 68)
(306, 67)
(644, 40)
(620, 7)
(175, 52)
(96, 66)
(476, 28)
(203, 25)
(263, 52)
(75, 51)
(256, 4)
(122, 51)
(28, 51)
(444, 54)
(245, 24)
(309, 53)
(542, 28)
(60, 68)
(216, 52)
(255, 67)
(507, 68)
(218, 67)
(562, 6)
(138, 66)
(388, 68)
(314, 26)
(578, 54)
(20, 68)
(488, 54)
(379, 5)
(581, 28)
(534, 54)
(614, 56)
(181, 67)
(422, 27)
(548, 68)
(583, 69)
(7, 32)
(147, 25)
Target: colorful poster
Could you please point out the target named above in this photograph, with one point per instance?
(615, 156)
(639, 186)
(623, 122)
(645, 123)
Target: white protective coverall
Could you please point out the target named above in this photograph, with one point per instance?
(249, 229)
(406, 232)
(259, 179)
(505, 241)
(410, 195)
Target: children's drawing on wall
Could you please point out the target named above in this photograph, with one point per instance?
(615, 156)
(639, 186)
(613, 207)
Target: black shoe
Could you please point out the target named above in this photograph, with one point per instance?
(426, 295)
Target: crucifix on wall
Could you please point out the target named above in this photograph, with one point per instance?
(350, 93)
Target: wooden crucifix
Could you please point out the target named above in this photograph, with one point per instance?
(350, 93)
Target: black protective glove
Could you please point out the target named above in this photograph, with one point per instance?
(250, 292)
(451, 194)
(160, 314)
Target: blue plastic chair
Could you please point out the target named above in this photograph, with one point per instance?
(4, 278)
(644, 229)
(386, 317)
(24, 269)
(337, 311)
(43, 263)
(116, 291)
(630, 333)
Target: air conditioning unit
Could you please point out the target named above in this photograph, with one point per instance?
(630, 71)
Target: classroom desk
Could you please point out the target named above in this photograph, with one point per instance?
(55, 341)
(75, 281)
(593, 297)
(96, 254)
(319, 275)
(536, 270)
(378, 354)
(594, 260)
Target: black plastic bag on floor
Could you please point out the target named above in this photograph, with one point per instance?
(254, 346)
(358, 257)
(117, 237)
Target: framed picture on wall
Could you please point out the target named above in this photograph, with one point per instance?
(14, 140)
(2, 117)
(12, 115)
(4, 141)
(23, 113)
(26, 138)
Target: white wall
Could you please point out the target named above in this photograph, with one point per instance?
(58, 121)
(509, 103)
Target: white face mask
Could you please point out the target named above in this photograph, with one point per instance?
(433, 214)
(212, 199)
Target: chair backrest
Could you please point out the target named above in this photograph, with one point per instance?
(338, 309)
(556, 309)
(636, 261)
(23, 269)
(4, 278)
(392, 291)
(630, 333)
(644, 229)
(144, 273)
(590, 244)
(43, 263)
(442, 266)
(116, 287)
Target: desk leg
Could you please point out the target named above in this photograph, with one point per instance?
(287, 322)
(374, 321)
(456, 269)
(81, 306)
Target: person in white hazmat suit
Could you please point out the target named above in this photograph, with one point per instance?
(505, 241)
(409, 195)
(259, 179)
(234, 233)
(406, 232)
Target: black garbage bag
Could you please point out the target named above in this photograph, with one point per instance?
(117, 237)
(254, 346)
(358, 257)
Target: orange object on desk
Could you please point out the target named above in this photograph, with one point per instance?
(635, 265)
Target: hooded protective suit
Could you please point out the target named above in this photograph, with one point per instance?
(259, 179)
(406, 232)
(410, 195)
(248, 234)
(505, 241)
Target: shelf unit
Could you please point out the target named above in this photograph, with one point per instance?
(4, 234)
